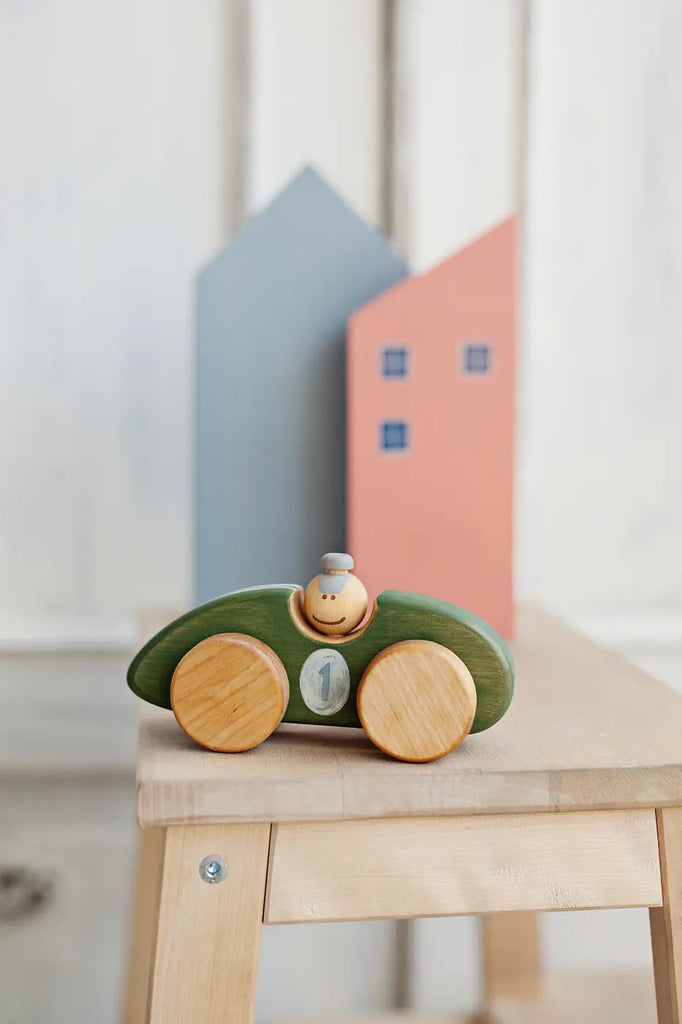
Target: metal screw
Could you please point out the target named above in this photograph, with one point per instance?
(213, 869)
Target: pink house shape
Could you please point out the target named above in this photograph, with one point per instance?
(431, 396)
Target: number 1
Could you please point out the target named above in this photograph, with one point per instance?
(325, 673)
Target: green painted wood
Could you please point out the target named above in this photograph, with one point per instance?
(263, 612)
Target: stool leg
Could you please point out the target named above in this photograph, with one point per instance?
(206, 956)
(666, 921)
(145, 913)
(510, 953)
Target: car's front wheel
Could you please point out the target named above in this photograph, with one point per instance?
(229, 692)
(416, 700)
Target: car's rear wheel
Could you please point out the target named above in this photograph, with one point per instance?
(229, 692)
(417, 700)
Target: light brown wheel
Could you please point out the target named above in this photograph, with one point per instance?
(229, 692)
(417, 700)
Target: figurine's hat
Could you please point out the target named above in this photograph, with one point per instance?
(335, 568)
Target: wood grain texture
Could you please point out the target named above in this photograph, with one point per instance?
(229, 692)
(209, 935)
(609, 174)
(150, 852)
(417, 700)
(272, 615)
(548, 753)
(344, 871)
(89, 82)
(510, 954)
(335, 614)
(666, 921)
(660, 950)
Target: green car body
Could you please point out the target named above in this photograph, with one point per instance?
(268, 614)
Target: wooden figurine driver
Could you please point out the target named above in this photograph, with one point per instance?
(335, 602)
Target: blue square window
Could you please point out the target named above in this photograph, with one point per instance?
(394, 362)
(394, 436)
(477, 358)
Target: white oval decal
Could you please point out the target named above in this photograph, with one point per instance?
(325, 681)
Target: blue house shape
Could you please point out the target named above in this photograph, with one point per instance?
(270, 376)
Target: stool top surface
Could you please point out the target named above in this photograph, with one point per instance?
(586, 730)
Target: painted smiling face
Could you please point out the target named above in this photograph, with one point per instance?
(335, 602)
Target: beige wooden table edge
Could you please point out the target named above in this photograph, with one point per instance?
(202, 804)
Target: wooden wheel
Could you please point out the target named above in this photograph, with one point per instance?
(417, 700)
(229, 692)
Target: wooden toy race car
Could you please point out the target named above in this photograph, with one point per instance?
(419, 675)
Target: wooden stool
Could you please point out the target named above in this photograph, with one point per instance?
(574, 801)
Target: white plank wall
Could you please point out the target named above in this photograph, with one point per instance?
(459, 89)
(316, 87)
(112, 191)
(600, 495)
